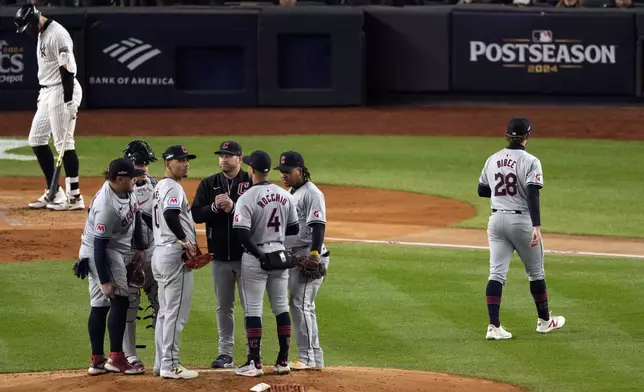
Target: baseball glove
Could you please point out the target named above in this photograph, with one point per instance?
(311, 268)
(278, 260)
(197, 260)
(135, 275)
(81, 268)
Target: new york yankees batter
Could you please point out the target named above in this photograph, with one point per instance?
(58, 101)
(311, 212)
(174, 231)
(111, 231)
(141, 155)
(512, 179)
(264, 215)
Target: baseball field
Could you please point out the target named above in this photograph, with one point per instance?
(403, 308)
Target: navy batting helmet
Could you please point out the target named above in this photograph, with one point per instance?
(140, 152)
(27, 19)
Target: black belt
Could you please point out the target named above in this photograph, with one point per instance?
(53, 85)
(511, 211)
(269, 242)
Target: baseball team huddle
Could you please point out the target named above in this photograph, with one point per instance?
(140, 233)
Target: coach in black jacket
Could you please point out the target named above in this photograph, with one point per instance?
(214, 205)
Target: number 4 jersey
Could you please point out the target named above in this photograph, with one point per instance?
(265, 209)
(508, 174)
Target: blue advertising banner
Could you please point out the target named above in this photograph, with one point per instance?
(18, 62)
(565, 53)
(170, 60)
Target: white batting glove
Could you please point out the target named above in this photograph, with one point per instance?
(72, 109)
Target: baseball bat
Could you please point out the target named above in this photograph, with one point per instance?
(53, 187)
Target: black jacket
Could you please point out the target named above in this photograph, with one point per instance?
(223, 243)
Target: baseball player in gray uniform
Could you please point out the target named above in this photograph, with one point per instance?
(111, 229)
(512, 179)
(174, 232)
(264, 215)
(311, 212)
(58, 101)
(142, 155)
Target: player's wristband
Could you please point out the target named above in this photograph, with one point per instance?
(315, 253)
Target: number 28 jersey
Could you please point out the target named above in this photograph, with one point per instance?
(265, 209)
(508, 174)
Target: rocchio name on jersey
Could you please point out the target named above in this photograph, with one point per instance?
(273, 197)
(543, 53)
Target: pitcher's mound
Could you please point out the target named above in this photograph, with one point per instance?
(334, 379)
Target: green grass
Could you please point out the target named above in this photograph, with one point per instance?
(384, 306)
(591, 187)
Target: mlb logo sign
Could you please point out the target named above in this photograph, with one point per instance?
(100, 228)
(173, 202)
(542, 36)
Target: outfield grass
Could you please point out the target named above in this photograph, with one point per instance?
(413, 308)
(591, 186)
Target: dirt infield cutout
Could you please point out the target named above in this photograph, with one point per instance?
(333, 379)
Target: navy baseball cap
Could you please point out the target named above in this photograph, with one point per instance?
(124, 167)
(177, 152)
(229, 147)
(518, 126)
(290, 160)
(258, 160)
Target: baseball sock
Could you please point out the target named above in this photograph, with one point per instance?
(254, 335)
(283, 335)
(96, 328)
(116, 322)
(46, 161)
(71, 165)
(493, 294)
(540, 295)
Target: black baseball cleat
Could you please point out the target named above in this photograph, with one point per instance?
(223, 362)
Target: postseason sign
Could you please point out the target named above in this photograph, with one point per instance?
(566, 53)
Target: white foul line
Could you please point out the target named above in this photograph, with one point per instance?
(479, 247)
(437, 245)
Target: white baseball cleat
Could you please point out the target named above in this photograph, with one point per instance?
(42, 201)
(281, 367)
(179, 372)
(497, 333)
(71, 204)
(249, 370)
(555, 322)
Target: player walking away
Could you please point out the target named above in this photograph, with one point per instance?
(141, 155)
(311, 213)
(174, 232)
(264, 216)
(107, 238)
(512, 179)
(214, 205)
(58, 101)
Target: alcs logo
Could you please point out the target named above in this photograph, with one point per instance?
(11, 63)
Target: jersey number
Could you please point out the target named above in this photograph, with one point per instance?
(506, 185)
(274, 220)
(156, 216)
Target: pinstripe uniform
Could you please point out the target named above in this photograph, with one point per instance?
(55, 49)
(175, 281)
(110, 217)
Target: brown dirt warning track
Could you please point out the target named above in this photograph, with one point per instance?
(353, 213)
